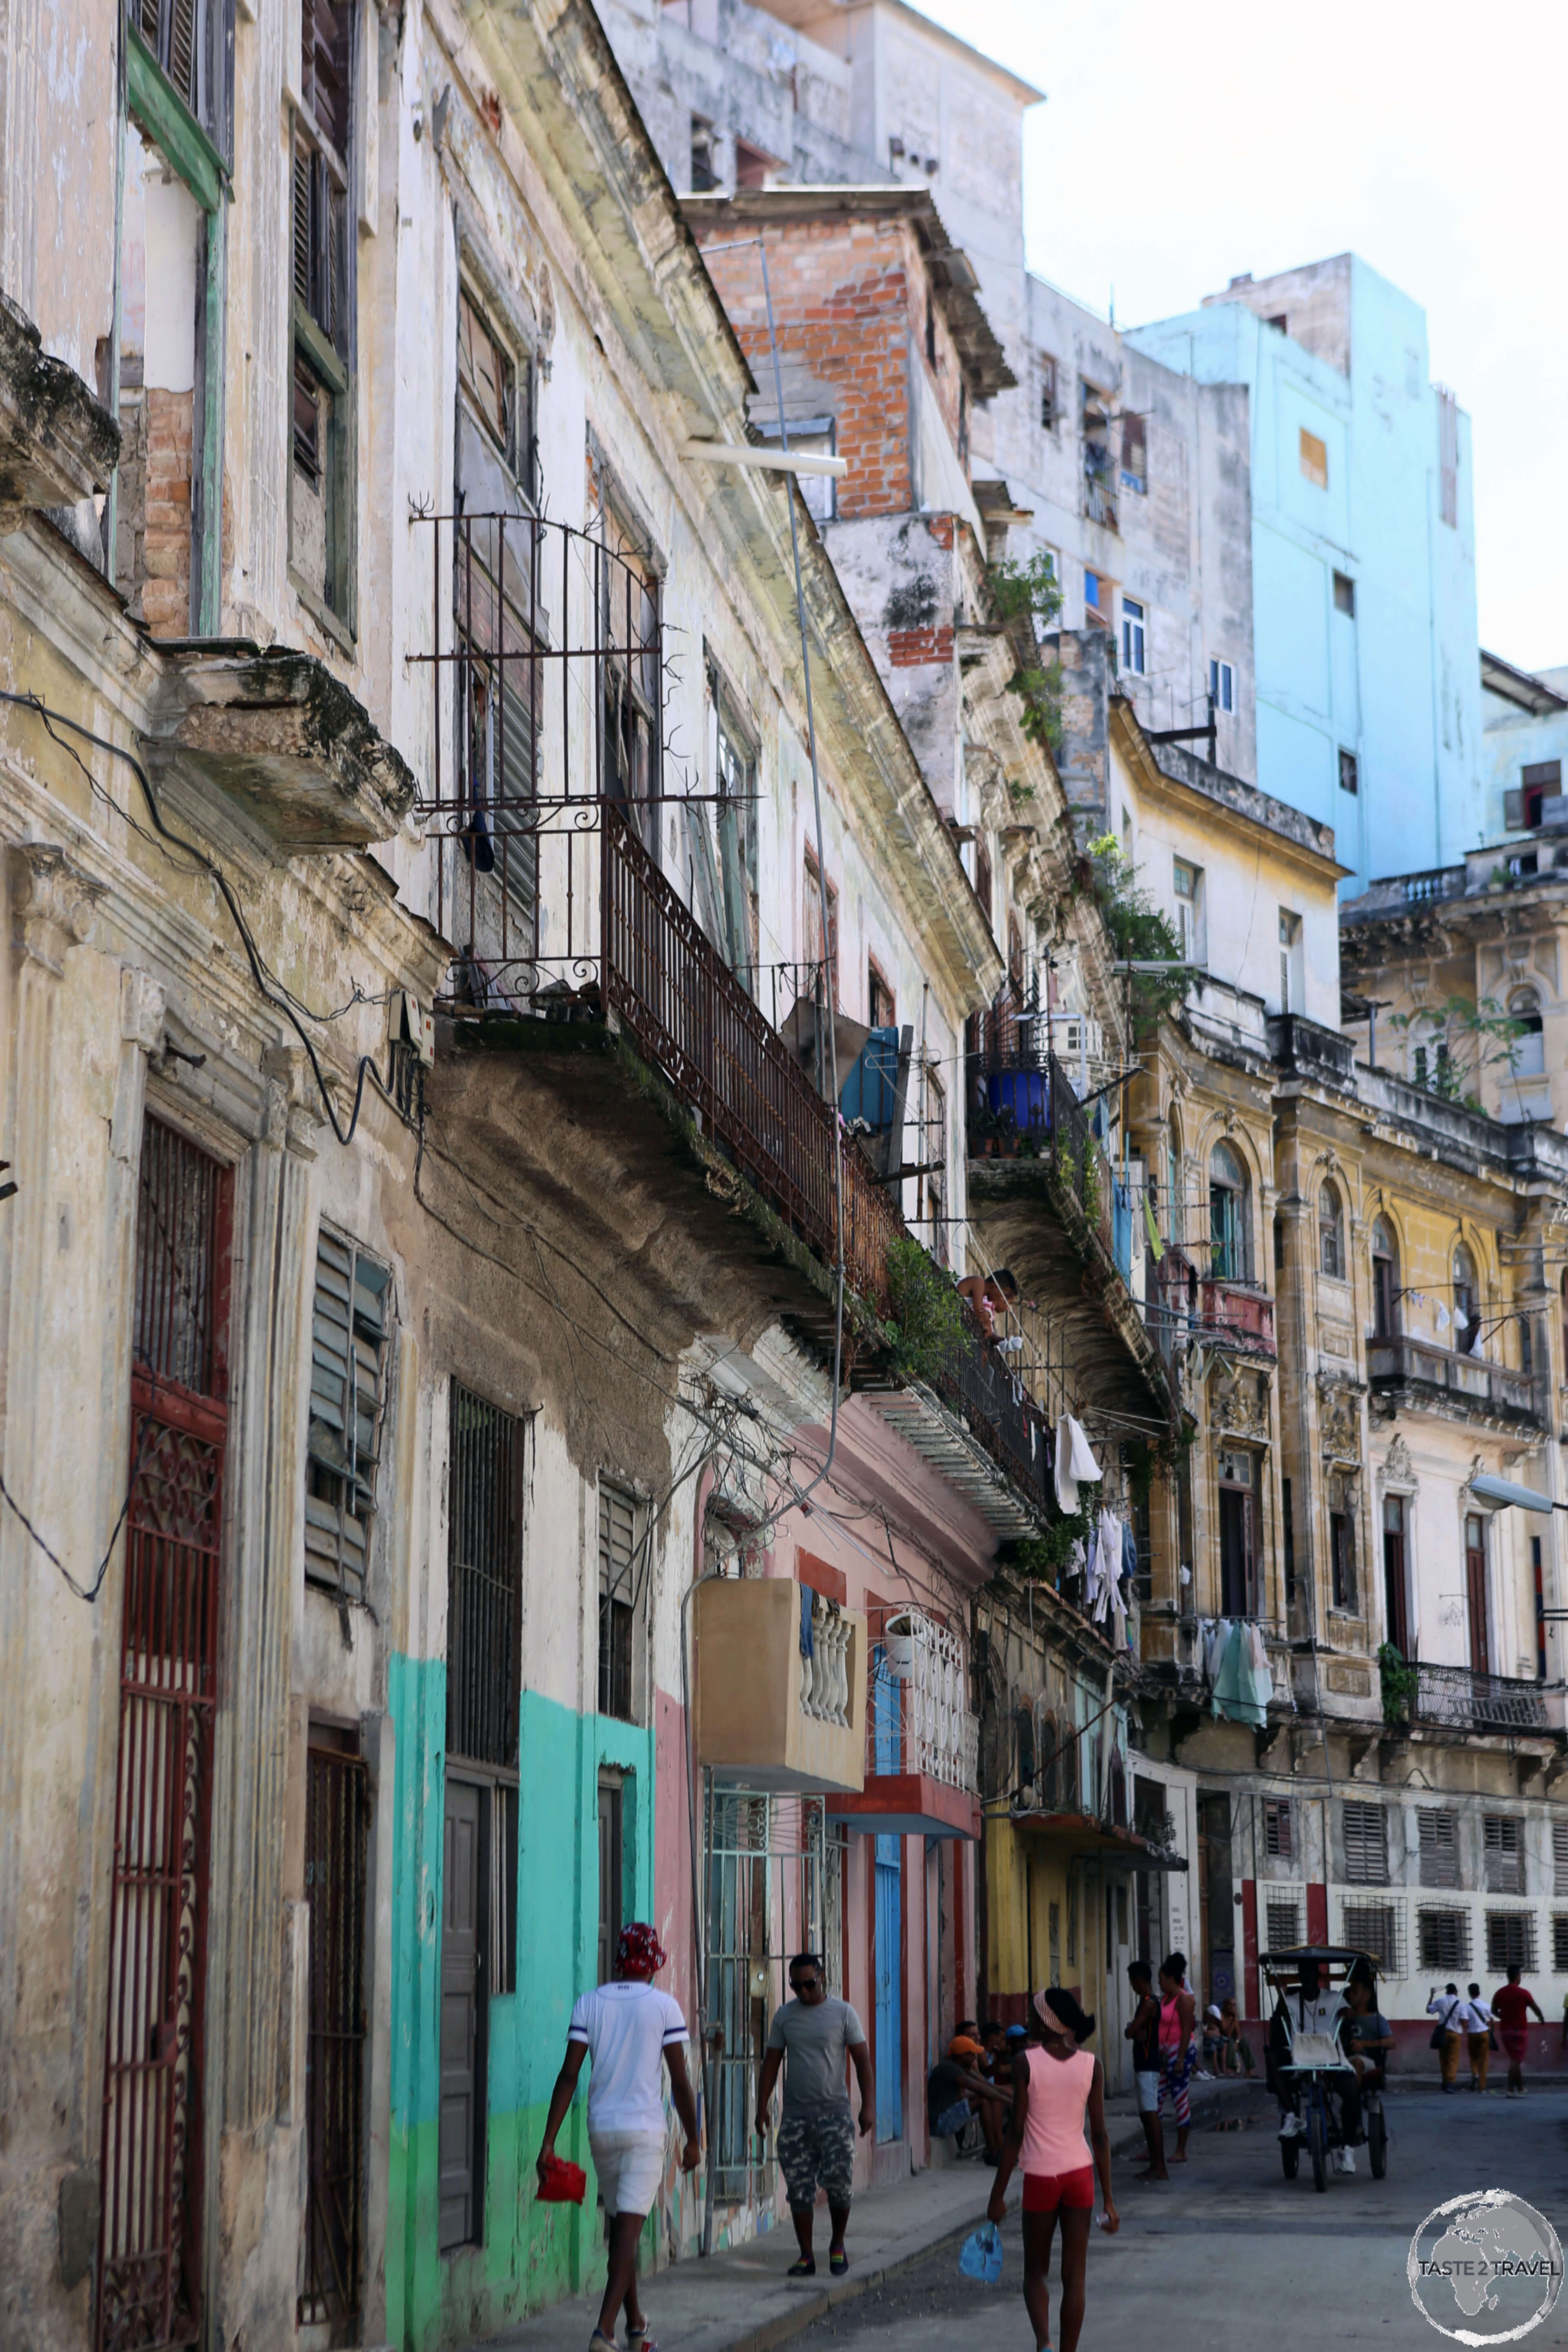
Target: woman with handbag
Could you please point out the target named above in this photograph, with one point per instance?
(1450, 2009)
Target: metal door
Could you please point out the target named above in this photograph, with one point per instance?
(150, 2238)
(335, 1802)
(890, 1870)
(462, 2127)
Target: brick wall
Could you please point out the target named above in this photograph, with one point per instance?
(153, 560)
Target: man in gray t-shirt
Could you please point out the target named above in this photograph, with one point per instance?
(812, 2039)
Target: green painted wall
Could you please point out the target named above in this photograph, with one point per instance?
(531, 2255)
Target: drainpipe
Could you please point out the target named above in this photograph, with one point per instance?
(699, 1937)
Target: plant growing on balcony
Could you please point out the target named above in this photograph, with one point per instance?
(1041, 1559)
(1139, 932)
(1029, 592)
(1398, 1678)
(928, 1336)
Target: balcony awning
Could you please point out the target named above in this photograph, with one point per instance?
(909, 1804)
(1080, 1834)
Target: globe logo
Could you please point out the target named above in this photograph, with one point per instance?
(1484, 2268)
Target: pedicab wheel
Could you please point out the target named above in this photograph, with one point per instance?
(1291, 2156)
(1317, 2140)
(1377, 2144)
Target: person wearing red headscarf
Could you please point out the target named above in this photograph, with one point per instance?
(629, 2032)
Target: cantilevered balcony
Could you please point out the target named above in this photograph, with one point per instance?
(922, 1740)
(1466, 1701)
(780, 1694)
(1416, 1375)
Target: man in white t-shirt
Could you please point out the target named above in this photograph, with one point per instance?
(629, 2032)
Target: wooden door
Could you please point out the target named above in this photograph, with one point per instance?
(611, 1866)
(1476, 1592)
(462, 2116)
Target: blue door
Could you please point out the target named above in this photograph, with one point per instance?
(890, 1987)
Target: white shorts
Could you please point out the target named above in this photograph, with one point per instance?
(1148, 2089)
(630, 2165)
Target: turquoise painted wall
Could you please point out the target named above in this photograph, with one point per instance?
(531, 2255)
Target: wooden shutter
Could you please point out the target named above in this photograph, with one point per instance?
(1439, 1848)
(1560, 1857)
(1542, 771)
(1366, 1845)
(1278, 1838)
(1513, 811)
(348, 1344)
(1505, 1870)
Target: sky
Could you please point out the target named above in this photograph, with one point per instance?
(1181, 144)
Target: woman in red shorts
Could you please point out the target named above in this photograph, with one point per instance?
(1055, 2084)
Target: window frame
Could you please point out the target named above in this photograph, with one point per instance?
(1503, 1855)
(510, 1471)
(330, 351)
(1236, 1194)
(319, 1461)
(1350, 773)
(1364, 1829)
(1222, 686)
(1432, 1919)
(1134, 636)
(1331, 1231)
(614, 1576)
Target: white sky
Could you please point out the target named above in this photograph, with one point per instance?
(1182, 143)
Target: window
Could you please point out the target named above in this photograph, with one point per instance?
(735, 774)
(1093, 611)
(1438, 1835)
(1559, 1944)
(1222, 684)
(321, 497)
(617, 1599)
(1282, 1925)
(881, 1005)
(1290, 974)
(754, 165)
(703, 174)
(931, 331)
(1345, 594)
(1525, 810)
(1134, 641)
(1331, 1233)
(1288, 1518)
(629, 628)
(1466, 1317)
(935, 1150)
(1503, 1846)
(1350, 773)
(612, 1869)
(1527, 1052)
(1476, 1594)
(348, 1333)
(1394, 1576)
(484, 1562)
(983, 878)
(1187, 882)
(811, 437)
(1238, 1567)
(1134, 452)
(1448, 457)
(1366, 1845)
(1510, 1939)
(1384, 1281)
(1560, 1857)
(1314, 460)
(1279, 1830)
(1341, 1559)
(1443, 1938)
(1279, 318)
(1229, 1217)
(1050, 412)
(1377, 1929)
(822, 958)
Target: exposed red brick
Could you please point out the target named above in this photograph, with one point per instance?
(912, 648)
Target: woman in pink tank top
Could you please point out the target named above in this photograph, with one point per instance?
(1056, 2085)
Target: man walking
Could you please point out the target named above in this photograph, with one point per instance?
(1144, 2035)
(815, 2039)
(1477, 2037)
(1449, 2010)
(1513, 2005)
(629, 2032)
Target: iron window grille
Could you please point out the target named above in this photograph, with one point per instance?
(483, 1612)
(1443, 1938)
(1560, 1943)
(1278, 1832)
(617, 1599)
(1366, 1845)
(1560, 1857)
(1377, 1929)
(1281, 1924)
(1438, 1834)
(349, 1332)
(1510, 1939)
(336, 1817)
(1504, 1854)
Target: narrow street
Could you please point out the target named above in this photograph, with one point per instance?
(1234, 2255)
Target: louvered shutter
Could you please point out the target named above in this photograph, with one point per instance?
(1504, 1859)
(1277, 1828)
(617, 1546)
(1560, 1857)
(348, 1344)
(1440, 1847)
(1366, 1845)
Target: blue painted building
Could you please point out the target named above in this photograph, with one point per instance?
(1362, 558)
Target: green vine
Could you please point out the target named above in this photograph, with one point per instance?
(1399, 1681)
(1139, 932)
(1090, 1189)
(927, 1328)
(1148, 1457)
(1492, 1036)
(1041, 1559)
(1030, 592)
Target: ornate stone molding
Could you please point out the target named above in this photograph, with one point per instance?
(143, 1008)
(1396, 1472)
(1238, 1405)
(54, 904)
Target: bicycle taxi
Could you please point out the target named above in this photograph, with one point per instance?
(1308, 2063)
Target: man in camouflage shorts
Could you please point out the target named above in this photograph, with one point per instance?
(819, 2039)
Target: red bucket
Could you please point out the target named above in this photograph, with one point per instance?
(561, 2183)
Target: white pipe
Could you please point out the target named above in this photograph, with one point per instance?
(774, 461)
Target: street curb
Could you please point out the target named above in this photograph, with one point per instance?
(815, 2306)
(1209, 2102)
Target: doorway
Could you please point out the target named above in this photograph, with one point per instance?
(460, 2158)
(1396, 1605)
(612, 1870)
(889, 1985)
(1476, 1591)
(336, 1806)
(1237, 1540)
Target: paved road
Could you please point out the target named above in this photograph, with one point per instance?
(1235, 2258)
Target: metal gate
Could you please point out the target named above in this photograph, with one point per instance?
(150, 2237)
(335, 1808)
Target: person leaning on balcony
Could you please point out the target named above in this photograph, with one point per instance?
(989, 1295)
(629, 2031)
(1450, 2009)
(815, 2039)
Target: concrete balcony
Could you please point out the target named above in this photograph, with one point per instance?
(1241, 1314)
(1467, 1701)
(58, 444)
(921, 1741)
(767, 1714)
(1416, 1375)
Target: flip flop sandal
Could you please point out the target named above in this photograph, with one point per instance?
(805, 2268)
(640, 2339)
(838, 2263)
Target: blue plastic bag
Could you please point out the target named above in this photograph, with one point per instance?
(982, 2256)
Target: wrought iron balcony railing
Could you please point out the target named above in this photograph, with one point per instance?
(1468, 1701)
(1467, 1384)
(917, 1720)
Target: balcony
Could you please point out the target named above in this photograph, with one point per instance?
(1462, 1700)
(1416, 1375)
(767, 1714)
(1239, 1314)
(921, 1742)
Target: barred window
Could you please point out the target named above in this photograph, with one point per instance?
(1510, 1939)
(1560, 1857)
(1377, 1929)
(484, 1559)
(1444, 1937)
(1366, 1845)
(1282, 1925)
(1560, 1943)
(618, 1599)
(1438, 1834)
(1278, 1831)
(1504, 1854)
(349, 1331)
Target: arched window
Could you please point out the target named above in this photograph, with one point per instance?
(1331, 1233)
(1466, 1302)
(1229, 1216)
(1384, 1281)
(1527, 1052)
